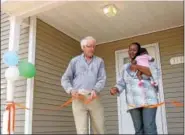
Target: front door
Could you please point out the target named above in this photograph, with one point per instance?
(125, 121)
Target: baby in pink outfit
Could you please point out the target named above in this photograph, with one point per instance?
(143, 60)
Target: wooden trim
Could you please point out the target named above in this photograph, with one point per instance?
(118, 97)
(30, 82)
(42, 8)
(161, 90)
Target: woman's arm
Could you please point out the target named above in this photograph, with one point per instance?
(120, 84)
(144, 70)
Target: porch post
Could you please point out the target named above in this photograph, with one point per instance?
(30, 81)
(13, 46)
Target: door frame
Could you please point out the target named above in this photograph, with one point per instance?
(161, 95)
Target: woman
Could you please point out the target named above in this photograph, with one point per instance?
(139, 99)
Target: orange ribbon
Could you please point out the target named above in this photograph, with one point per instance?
(80, 97)
(153, 106)
(11, 107)
(178, 104)
(175, 103)
(69, 101)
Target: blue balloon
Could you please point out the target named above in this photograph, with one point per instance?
(10, 58)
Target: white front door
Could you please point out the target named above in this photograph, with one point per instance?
(125, 121)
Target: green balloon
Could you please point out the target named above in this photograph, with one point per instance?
(26, 69)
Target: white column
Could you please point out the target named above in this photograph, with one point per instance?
(10, 90)
(13, 46)
(15, 23)
(30, 82)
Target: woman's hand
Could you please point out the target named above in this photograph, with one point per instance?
(114, 91)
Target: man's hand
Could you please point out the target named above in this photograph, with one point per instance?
(114, 91)
(75, 94)
(93, 95)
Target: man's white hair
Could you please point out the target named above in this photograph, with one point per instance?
(84, 41)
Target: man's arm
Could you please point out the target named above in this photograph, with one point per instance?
(67, 78)
(101, 78)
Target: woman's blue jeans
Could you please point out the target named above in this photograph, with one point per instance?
(144, 120)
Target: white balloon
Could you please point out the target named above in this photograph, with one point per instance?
(12, 73)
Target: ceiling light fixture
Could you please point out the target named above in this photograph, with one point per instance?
(110, 10)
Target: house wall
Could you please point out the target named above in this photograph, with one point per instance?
(54, 50)
(171, 43)
(20, 91)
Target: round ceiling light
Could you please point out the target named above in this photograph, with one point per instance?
(110, 10)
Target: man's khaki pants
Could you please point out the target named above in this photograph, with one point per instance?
(81, 111)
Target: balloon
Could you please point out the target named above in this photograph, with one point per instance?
(12, 73)
(26, 69)
(10, 58)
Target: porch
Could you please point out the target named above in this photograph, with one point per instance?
(50, 36)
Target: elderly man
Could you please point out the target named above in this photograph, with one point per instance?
(86, 75)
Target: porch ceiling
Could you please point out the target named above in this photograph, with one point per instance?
(26, 8)
(79, 19)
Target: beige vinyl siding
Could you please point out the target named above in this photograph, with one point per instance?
(54, 50)
(20, 91)
(171, 44)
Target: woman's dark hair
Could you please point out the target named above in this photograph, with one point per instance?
(138, 46)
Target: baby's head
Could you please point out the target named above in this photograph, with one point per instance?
(143, 51)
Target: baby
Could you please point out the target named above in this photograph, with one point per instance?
(143, 60)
